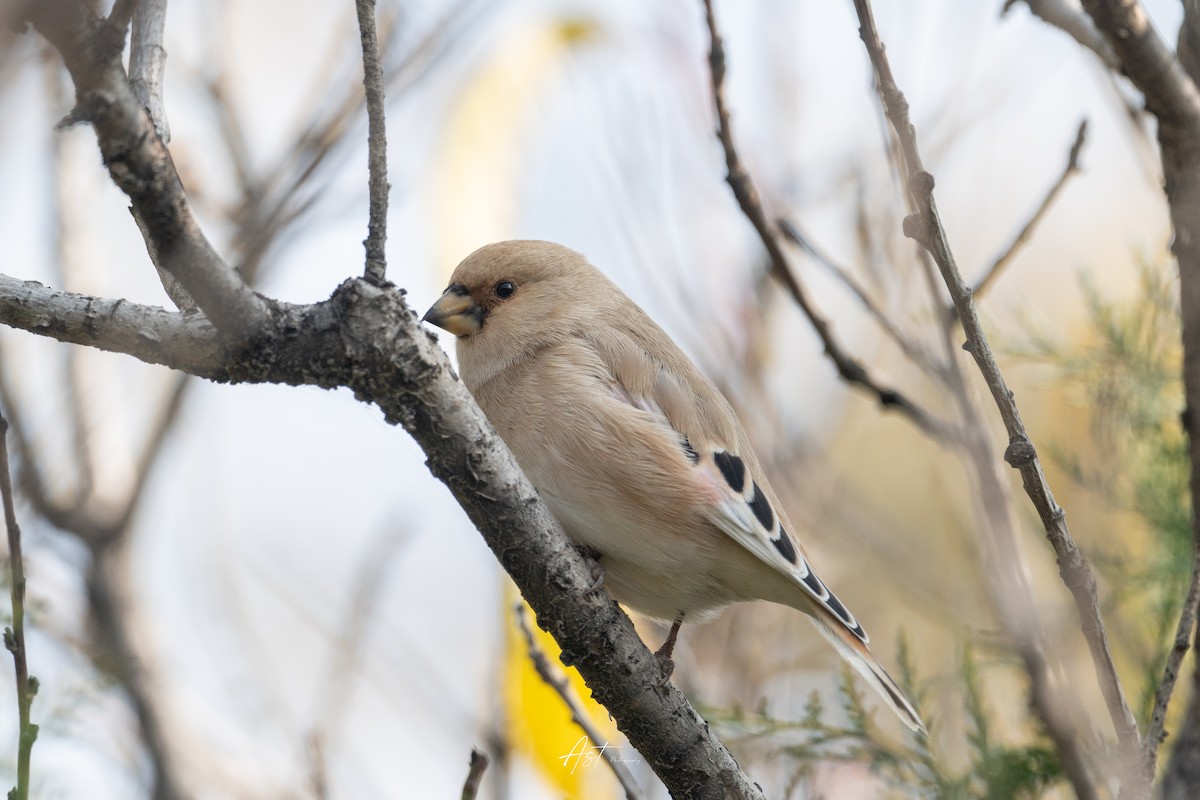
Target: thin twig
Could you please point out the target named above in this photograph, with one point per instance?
(1006, 256)
(1155, 732)
(14, 637)
(59, 238)
(557, 681)
(925, 226)
(148, 62)
(915, 352)
(849, 368)
(376, 268)
(318, 777)
(479, 763)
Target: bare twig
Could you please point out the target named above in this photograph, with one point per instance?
(140, 165)
(1005, 257)
(318, 778)
(916, 353)
(557, 681)
(14, 637)
(479, 763)
(60, 234)
(148, 62)
(849, 368)
(1167, 82)
(367, 338)
(1155, 733)
(376, 268)
(925, 226)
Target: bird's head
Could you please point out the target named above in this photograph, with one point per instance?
(512, 298)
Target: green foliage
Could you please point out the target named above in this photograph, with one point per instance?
(915, 767)
(1127, 372)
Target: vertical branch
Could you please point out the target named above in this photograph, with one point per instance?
(925, 226)
(479, 763)
(14, 637)
(148, 62)
(376, 268)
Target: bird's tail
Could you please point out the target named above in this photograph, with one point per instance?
(859, 657)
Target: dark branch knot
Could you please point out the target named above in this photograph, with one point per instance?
(1020, 452)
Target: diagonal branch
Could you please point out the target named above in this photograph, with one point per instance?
(849, 368)
(140, 165)
(367, 339)
(909, 346)
(557, 681)
(1155, 731)
(1023, 235)
(925, 226)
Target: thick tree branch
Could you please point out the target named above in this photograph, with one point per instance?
(187, 342)
(366, 338)
(141, 166)
(925, 226)
(1148, 62)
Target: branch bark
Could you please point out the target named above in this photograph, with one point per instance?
(1168, 85)
(14, 637)
(148, 62)
(926, 228)
(849, 368)
(140, 165)
(366, 338)
(376, 269)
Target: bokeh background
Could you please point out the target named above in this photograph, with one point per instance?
(313, 614)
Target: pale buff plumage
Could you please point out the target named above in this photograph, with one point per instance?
(637, 454)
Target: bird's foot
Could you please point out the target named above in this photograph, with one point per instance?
(592, 556)
(666, 664)
(663, 654)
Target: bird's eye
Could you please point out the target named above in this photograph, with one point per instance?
(505, 289)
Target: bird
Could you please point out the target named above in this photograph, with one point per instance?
(637, 454)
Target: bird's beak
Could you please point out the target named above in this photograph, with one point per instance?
(456, 311)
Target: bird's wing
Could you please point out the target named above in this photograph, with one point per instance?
(743, 506)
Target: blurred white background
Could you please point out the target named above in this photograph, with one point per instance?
(295, 569)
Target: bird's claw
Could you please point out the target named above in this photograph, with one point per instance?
(666, 664)
(592, 556)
